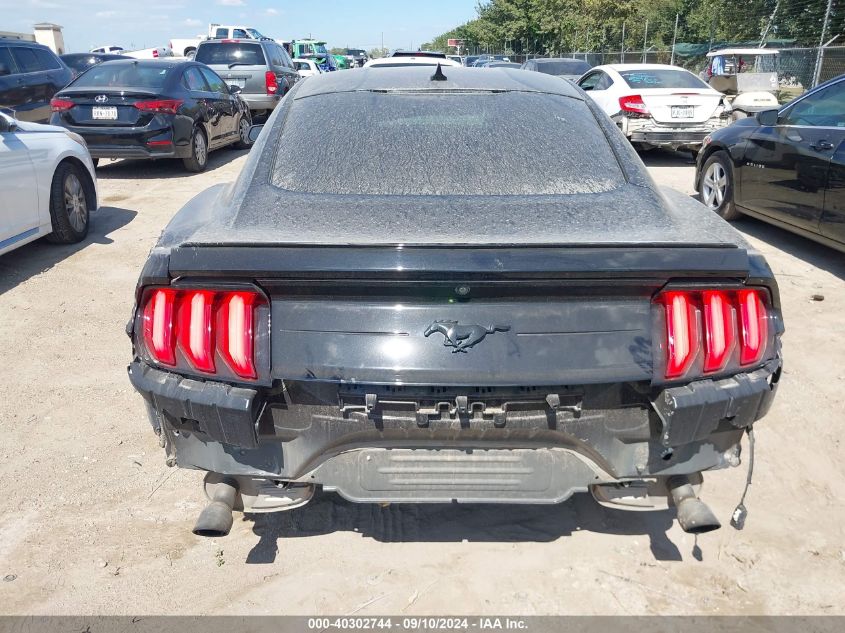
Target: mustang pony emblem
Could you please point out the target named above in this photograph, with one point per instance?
(462, 337)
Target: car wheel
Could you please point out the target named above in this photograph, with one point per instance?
(69, 208)
(717, 187)
(243, 134)
(190, 54)
(198, 160)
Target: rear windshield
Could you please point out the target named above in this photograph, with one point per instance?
(118, 75)
(230, 54)
(661, 78)
(355, 51)
(564, 67)
(419, 54)
(496, 144)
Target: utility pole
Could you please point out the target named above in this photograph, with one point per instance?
(820, 53)
(382, 42)
(622, 51)
(645, 41)
(674, 39)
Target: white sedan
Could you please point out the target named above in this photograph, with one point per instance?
(306, 67)
(396, 62)
(656, 104)
(47, 184)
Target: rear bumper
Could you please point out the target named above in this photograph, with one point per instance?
(261, 101)
(517, 445)
(133, 142)
(654, 133)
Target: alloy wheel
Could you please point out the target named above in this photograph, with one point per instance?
(200, 149)
(714, 186)
(76, 205)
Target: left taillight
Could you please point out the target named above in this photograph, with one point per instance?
(61, 105)
(712, 331)
(633, 104)
(203, 331)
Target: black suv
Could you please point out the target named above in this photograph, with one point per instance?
(30, 74)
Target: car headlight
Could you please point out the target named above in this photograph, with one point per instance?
(75, 137)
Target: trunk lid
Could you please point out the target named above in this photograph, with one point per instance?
(682, 105)
(107, 107)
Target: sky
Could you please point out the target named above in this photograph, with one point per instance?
(144, 23)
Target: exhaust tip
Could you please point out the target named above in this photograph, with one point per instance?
(216, 519)
(694, 516)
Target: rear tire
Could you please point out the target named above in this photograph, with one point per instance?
(69, 204)
(243, 133)
(717, 186)
(198, 160)
(191, 53)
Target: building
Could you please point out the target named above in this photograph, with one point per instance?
(50, 35)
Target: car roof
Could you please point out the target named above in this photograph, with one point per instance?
(543, 60)
(167, 63)
(409, 78)
(11, 41)
(624, 67)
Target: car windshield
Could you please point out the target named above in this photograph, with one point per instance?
(661, 78)
(226, 53)
(117, 75)
(320, 49)
(485, 144)
(255, 34)
(564, 67)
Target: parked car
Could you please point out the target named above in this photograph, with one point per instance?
(786, 166)
(456, 58)
(111, 49)
(47, 184)
(80, 62)
(404, 53)
(306, 67)
(262, 69)
(563, 67)
(398, 62)
(657, 105)
(30, 74)
(486, 59)
(359, 56)
(507, 330)
(511, 65)
(470, 60)
(153, 109)
(311, 49)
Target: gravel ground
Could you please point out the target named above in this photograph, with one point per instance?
(94, 522)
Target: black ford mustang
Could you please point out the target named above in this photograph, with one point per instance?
(350, 315)
(155, 109)
(786, 167)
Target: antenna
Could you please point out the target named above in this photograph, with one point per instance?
(438, 74)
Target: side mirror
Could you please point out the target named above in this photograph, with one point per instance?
(254, 132)
(767, 118)
(7, 124)
(235, 90)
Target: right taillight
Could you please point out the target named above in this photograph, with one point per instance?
(203, 331)
(271, 82)
(712, 331)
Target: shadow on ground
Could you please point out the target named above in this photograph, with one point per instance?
(815, 254)
(666, 158)
(40, 256)
(163, 168)
(328, 513)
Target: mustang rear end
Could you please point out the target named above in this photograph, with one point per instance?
(423, 340)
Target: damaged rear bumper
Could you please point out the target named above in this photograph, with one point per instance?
(520, 445)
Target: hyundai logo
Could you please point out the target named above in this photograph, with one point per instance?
(101, 99)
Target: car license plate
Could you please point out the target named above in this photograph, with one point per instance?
(107, 113)
(240, 83)
(682, 112)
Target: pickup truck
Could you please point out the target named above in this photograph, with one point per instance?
(143, 53)
(188, 47)
(349, 317)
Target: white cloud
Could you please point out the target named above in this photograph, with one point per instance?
(193, 22)
(105, 14)
(230, 3)
(272, 11)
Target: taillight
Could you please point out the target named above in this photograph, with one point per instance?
(754, 326)
(235, 321)
(158, 326)
(155, 52)
(719, 330)
(703, 330)
(681, 333)
(271, 82)
(61, 105)
(633, 104)
(207, 331)
(195, 332)
(160, 106)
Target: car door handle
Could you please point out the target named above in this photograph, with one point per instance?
(822, 145)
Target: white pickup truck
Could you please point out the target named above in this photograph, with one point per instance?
(188, 47)
(143, 53)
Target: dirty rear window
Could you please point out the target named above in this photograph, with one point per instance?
(511, 143)
(564, 67)
(661, 78)
(230, 54)
(117, 75)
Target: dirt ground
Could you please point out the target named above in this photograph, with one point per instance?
(93, 522)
